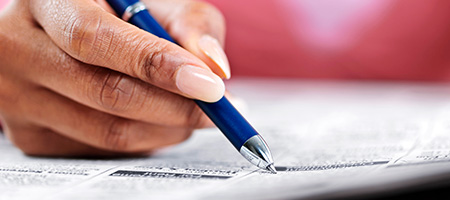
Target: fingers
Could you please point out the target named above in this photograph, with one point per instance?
(104, 89)
(197, 26)
(38, 141)
(93, 128)
(92, 35)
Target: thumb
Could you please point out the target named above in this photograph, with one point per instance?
(197, 26)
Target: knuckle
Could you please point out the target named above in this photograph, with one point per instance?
(153, 60)
(117, 136)
(77, 33)
(113, 91)
(87, 37)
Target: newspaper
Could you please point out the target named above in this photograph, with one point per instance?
(328, 139)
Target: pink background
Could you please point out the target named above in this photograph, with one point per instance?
(374, 39)
(3, 3)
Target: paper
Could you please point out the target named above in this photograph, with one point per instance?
(329, 139)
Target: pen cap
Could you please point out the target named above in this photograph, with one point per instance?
(119, 6)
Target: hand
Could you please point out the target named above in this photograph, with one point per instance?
(75, 80)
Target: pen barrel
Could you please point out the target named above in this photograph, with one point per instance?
(222, 113)
(228, 119)
(143, 20)
(119, 6)
(146, 22)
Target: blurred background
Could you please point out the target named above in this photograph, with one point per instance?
(350, 39)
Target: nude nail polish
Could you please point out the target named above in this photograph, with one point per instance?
(199, 83)
(212, 48)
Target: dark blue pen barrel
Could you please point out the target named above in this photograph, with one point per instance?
(222, 113)
(119, 6)
(229, 121)
(142, 20)
(146, 22)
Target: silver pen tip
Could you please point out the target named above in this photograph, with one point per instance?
(272, 169)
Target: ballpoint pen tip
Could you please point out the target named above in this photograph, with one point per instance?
(272, 169)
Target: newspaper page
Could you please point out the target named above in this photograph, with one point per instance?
(328, 139)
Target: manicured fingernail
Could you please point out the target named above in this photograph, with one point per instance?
(200, 83)
(211, 47)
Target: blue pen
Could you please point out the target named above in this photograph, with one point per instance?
(232, 124)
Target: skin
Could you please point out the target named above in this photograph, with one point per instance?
(75, 80)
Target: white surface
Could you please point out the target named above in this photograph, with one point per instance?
(332, 138)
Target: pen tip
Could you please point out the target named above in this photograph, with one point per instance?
(272, 169)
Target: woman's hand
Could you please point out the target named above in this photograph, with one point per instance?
(75, 80)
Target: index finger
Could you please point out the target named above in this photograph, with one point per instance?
(92, 35)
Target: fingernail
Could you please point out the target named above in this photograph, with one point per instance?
(200, 83)
(211, 47)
